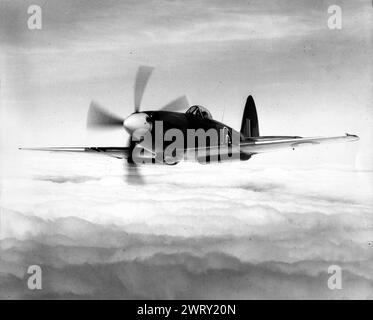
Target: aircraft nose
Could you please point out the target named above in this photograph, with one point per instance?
(137, 121)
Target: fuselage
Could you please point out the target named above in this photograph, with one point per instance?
(184, 122)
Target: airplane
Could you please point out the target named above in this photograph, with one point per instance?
(243, 144)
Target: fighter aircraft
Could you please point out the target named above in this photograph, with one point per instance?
(142, 123)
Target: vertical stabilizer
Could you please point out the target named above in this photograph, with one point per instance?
(250, 125)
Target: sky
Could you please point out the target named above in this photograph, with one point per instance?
(266, 228)
(306, 79)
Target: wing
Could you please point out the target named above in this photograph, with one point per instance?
(250, 146)
(268, 144)
(256, 145)
(115, 152)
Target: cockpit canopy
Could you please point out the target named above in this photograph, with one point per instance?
(199, 111)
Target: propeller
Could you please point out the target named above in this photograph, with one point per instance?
(177, 104)
(142, 78)
(100, 118)
(133, 175)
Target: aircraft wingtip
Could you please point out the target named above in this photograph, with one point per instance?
(354, 136)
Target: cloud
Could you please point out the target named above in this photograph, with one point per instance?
(64, 179)
(189, 232)
(93, 25)
(177, 275)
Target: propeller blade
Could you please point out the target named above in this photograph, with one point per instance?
(142, 78)
(98, 117)
(177, 104)
(132, 173)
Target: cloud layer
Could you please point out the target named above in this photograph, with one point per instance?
(237, 230)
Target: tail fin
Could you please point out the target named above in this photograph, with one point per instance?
(250, 125)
